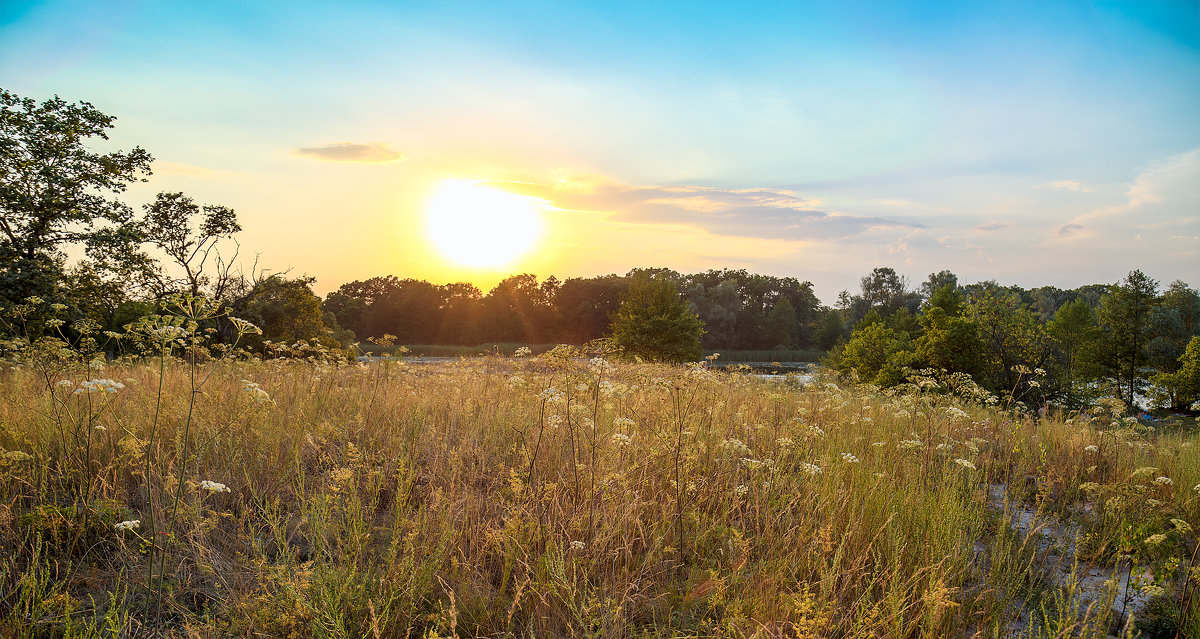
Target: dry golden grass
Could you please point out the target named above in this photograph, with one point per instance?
(552, 497)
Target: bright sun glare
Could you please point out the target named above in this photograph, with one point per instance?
(480, 226)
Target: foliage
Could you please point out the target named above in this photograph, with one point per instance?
(1125, 313)
(56, 191)
(1179, 390)
(655, 324)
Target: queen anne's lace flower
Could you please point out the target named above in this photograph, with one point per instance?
(128, 525)
(213, 486)
(965, 463)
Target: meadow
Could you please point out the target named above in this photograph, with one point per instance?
(182, 495)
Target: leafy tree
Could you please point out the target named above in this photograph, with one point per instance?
(937, 281)
(1011, 337)
(1173, 323)
(287, 311)
(1124, 314)
(781, 323)
(949, 340)
(168, 226)
(832, 329)
(1180, 389)
(877, 353)
(655, 323)
(885, 288)
(56, 191)
(1075, 334)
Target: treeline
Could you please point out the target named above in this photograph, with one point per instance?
(1128, 340)
(740, 310)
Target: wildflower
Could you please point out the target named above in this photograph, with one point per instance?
(578, 545)
(1089, 486)
(1039, 372)
(1092, 448)
(600, 365)
(213, 486)
(945, 446)
(736, 446)
(956, 413)
(551, 394)
(582, 388)
(621, 439)
(1196, 488)
(751, 463)
(128, 525)
(98, 386)
(909, 444)
(1164, 481)
(849, 458)
(64, 383)
(878, 444)
(965, 463)
(1154, 540)
(1182, 526)
(516, 381)
(1033, 383)
(17, 456)
(100, 427)
(522, 352)
(815, 431)
(58, 308)
(259, 395)
(607, 388)
(810, 469)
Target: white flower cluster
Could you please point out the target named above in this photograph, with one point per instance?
(128, 525)
(736, 447)
(811, 469)
(552, 395)
(623, 422)
(1092, 448)
(740, 490)
(103, 385)
(578, 545)
(213, 486)
(1164, 481)
(522, 352)
(909, 444)
(600, 365)
(621, 439)
(965, 463)
(259, 395)
(849, 458)
(957, 413)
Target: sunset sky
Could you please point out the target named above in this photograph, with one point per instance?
(1031, 143)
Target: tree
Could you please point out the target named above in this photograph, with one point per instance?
(1125, 315)
(56, 191)
(168, 226)
(1075, 333)
(286, 310)
(1180, 389)
(655, 323)
(877, 353)
(886, 288)
(781, 323)
(937, 281)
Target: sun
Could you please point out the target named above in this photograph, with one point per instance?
(480, 226)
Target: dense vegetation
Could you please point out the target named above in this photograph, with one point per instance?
(1066, 347)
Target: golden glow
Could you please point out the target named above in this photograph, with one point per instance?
(480, 226)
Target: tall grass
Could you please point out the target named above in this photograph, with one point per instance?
(549, 497)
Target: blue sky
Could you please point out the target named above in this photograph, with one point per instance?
(1032, 143)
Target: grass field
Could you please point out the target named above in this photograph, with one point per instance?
(551, 497)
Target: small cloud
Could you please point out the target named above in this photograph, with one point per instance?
(373, 153)
(1067, 230)
(993, 226)
(1066, 185)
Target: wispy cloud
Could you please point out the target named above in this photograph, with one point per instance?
(373, 153)
(1065, 185)
(1069, 230)
(992, 226)
(760, 213)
